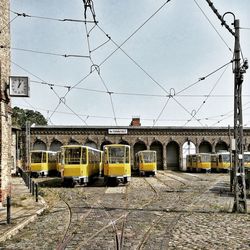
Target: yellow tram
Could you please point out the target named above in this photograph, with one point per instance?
(116, 164)
(58, 162)
(42, 163)
(247, 168)
(80, 164)
(145, 162)
(220, 161)
(199, 162)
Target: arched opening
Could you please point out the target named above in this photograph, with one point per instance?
(123, 142)
(205, 147)
(39, 145)
(157, 146)
(105, 143)
(248, 149)
(55, 146)
(73, 142)
(91, 144)
(139, 146)
(188, 148)
(173, 156)
(221, 146)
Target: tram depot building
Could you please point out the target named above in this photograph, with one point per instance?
(170, 143)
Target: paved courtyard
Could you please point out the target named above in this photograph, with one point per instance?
(174, 210)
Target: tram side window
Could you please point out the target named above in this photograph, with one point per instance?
(44, 157)
(127, 155)
(84, 156)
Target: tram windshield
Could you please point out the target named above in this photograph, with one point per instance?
(149, 157)
(38, 157)
(205, 158)
(247, 158)
(74, 156)
(118, 155)
(224, 158)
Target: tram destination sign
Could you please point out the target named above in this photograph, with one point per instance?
(117, 131)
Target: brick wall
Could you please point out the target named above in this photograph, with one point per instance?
(5, 116)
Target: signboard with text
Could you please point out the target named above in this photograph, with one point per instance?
(117, 131)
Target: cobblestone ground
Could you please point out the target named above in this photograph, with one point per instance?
(173, 210)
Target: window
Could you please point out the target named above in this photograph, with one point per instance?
(73, 155)
(36, 157)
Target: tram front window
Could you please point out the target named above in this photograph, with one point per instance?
(149, 157)
(38, 157)
(225, 158)
(72, 155)
(116, 155)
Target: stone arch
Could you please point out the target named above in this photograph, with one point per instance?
(187, 148)
(205, 147)
(106, 142)
(73, 142)
(55, 145)
(39, 145)
(173, 155)
(221, 145)
(90, 143)
(139, 146)
(157, 146)
(123, 142)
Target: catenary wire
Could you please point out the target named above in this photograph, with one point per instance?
(204, 77)
(126, 40)
(48, 53)
(223, 40)
(50, 88)
(134, 94)
(7, 25)
(204, 101)
(51, 18)
(99, 74)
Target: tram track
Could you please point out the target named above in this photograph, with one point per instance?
(113, 217)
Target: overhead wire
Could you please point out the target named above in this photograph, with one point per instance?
(161, 112)
(7, 25)
(51, 87)
(99, 73)
(48, 53)
(156, 82)
(205, 100)
(51, 18)
(113, 92)
(134, 94)
(223, 40)
(113, 52)
(204, 77)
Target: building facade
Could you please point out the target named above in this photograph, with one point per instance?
(5, 118)
(171, 143)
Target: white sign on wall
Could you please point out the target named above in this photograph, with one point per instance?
(117, 131)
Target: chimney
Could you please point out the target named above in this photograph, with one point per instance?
(135, 122)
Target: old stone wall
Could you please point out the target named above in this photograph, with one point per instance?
(5, 109)
(169, 142)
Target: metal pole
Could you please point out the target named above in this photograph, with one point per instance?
(240, 204)
(231, 160)
(8, 209)
(36, 185)
(33, 188)
(28, 145)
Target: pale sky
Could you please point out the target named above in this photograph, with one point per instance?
(182, 42)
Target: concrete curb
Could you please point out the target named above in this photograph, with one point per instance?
(13, 231)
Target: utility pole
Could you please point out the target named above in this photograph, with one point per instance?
(239, 183)
(240, 204)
